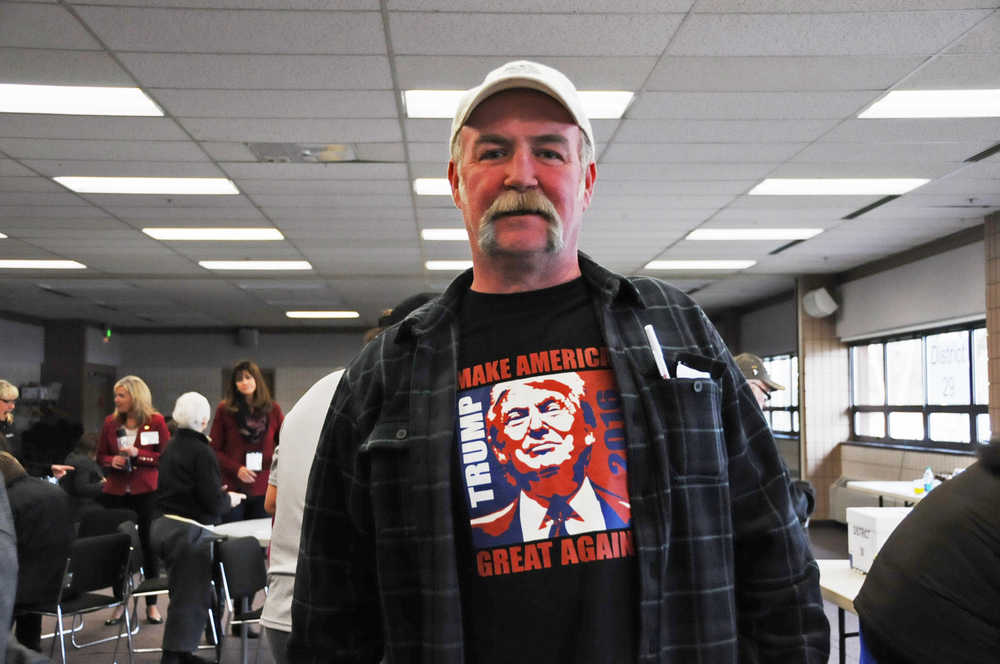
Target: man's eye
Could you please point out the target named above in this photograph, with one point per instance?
(495, 153)
(550, 154)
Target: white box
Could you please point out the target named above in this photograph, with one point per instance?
(867, 530)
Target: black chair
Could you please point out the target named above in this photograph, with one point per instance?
(104, 521)
(243, 571)
(95, 564)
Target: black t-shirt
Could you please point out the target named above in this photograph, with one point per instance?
(544, 540)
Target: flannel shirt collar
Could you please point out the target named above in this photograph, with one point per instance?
(612, 288)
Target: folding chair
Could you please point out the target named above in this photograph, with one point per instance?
(95, 563)
(243, 571)
(155, 586)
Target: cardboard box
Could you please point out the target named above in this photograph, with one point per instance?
(867, 530)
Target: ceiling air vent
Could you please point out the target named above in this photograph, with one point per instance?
(868, 208)
(298, 153)
(988, 152)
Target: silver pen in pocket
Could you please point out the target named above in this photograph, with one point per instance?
(654, 348)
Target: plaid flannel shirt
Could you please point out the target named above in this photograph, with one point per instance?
(724, 568)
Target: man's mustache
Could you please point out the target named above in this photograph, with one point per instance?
(512, 203)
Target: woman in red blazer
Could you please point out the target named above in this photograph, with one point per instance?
(244, 430)
(129, 450)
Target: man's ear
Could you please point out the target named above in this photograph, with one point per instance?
(454, 181)
(590, 177)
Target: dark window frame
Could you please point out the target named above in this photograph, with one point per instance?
(973, 410)
(792, 410)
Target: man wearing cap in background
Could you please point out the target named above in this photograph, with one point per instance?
(710, 564)
(756, 374)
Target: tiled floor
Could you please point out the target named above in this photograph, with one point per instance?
(828, 540)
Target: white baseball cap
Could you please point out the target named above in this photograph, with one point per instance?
(523, 74)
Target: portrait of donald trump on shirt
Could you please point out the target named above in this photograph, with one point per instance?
(542, 433)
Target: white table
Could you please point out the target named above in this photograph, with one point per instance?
(840, 584)
(899, 490)
(259, 528)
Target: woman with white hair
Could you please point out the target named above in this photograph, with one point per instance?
(8, 400)
(190, 494)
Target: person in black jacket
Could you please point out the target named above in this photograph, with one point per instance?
(933, 591)
(189, 494)
(85, 482)
(44, 530)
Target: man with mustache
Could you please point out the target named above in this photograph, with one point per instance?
(390, 566)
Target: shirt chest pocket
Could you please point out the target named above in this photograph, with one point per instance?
(386, 460)
(690, 413)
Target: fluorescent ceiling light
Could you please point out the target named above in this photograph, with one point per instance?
(597, 104)
(163, 186)
(165, 233)
(448, 265)
(75, 100)
(935, 104)
(753, 233)
(444, 234)
(4, 237)
(432, 187)
(836, 186)
(18, 264)
(255, 265)
(322, 314)
(700, 265)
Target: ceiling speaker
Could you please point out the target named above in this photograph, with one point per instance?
(819, 303)
(247, 337)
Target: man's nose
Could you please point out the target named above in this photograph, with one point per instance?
(521, 174)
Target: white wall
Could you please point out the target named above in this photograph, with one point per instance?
(172, 364)
(22, 350)
(100, 352)
(938, 289)
(770, 330)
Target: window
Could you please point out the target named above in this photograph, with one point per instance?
(929, 389)
(782, 409)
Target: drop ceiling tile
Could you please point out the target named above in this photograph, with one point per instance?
(327, 187)
(228, 151)
(344, 171)
(531, 35)
(915, 130)
(321, 202)
(862, 170)
(354, 214)
(460, 72)
(684, 172)
(893, 34)
(42, 26)
(166, 216)
(51, 67)
(34, 199)
(784, 73)
(107, 150)
(201, 251)
(981, 39)
(60, 228)
(13, 125)
(553, 6)
(960, 185)
(726, 131)
(292, 131)
(370, 262)
(163, 262)
(158, 202)
(10, 168)
(388, 152)
(260, 72)
(821, 6)
(82, 167)
(947, 72)
(749, 105)
(653, 152)
(371, 5)
(28, 184)
(220, 31)
(51, 214)
(904, 154)
(277, 103)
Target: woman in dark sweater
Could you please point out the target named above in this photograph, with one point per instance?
(86, 481)
(190, 493)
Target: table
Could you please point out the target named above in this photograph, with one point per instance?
(840, 584)
(259, 528)
(900, 490)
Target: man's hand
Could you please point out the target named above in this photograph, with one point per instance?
(118, 462)
(246, 475)
(236, 498)
(58, 470)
